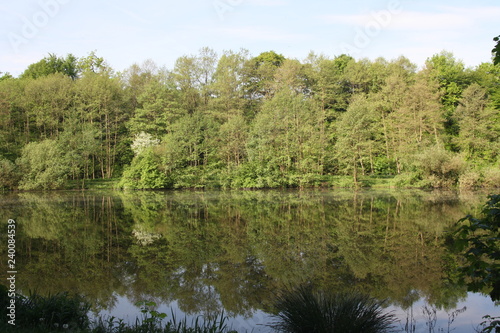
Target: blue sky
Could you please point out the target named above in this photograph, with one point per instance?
(126, 32)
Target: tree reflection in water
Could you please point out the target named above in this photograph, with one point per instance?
(231, 251)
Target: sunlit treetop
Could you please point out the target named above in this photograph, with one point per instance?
(496, 51)
(53, 64)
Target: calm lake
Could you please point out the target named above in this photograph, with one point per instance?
(198, 253)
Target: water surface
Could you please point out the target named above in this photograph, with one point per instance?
(199, 253)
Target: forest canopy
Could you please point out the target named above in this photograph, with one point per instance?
(234, 120)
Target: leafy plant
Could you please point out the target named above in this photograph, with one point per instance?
(489, 324)
(144, 173)
(478, 239)
(49, 313)
(9, 177)
(496, 51)
(43, 166)
(304, 309)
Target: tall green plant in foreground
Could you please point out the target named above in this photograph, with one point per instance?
(36, 313)
(304, 309)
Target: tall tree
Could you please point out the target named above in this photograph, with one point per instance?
(259, 74)
(287, 134)
(496, 51)
(48, 100)
(14, 120)
(453, 78)
(157, 108)
(137, 77)
(391, 97)
(479, 131)
(99, 100)
(333, 86)
(232, 140)
(53, 64)
(418, 121)
(191, 142)
(356, 137)
(193, 76)
(227, 87)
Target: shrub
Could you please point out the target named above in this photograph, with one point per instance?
(144, 173)
(47, 313)
(442, 168)
(492, 177)
(469, 180)
(407, 179)
(256, 175)
(9, 176)
(43, 166)
(303, 309)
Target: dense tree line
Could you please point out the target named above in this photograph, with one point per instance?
(238, 121)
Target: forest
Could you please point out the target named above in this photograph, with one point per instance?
(234, 120)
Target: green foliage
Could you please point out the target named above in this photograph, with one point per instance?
(145, 173)
(5, 76)
(287, 135)
(303, 309)
(469, 180)
(441, 168)
(53, 64)
(156, 110)
(43, 166)
(259, 74)
(491, 177)
(255, 175)
(489, 324)
(408, 179)
(294, 122)
(52, 313)
(496, 51)
(478, 240)
(92, 64)
(356, 144)
(477, 122)
(9, 175)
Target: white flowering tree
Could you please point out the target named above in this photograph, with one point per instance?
(142, 141)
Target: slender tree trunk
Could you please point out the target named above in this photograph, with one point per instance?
(355, 170)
